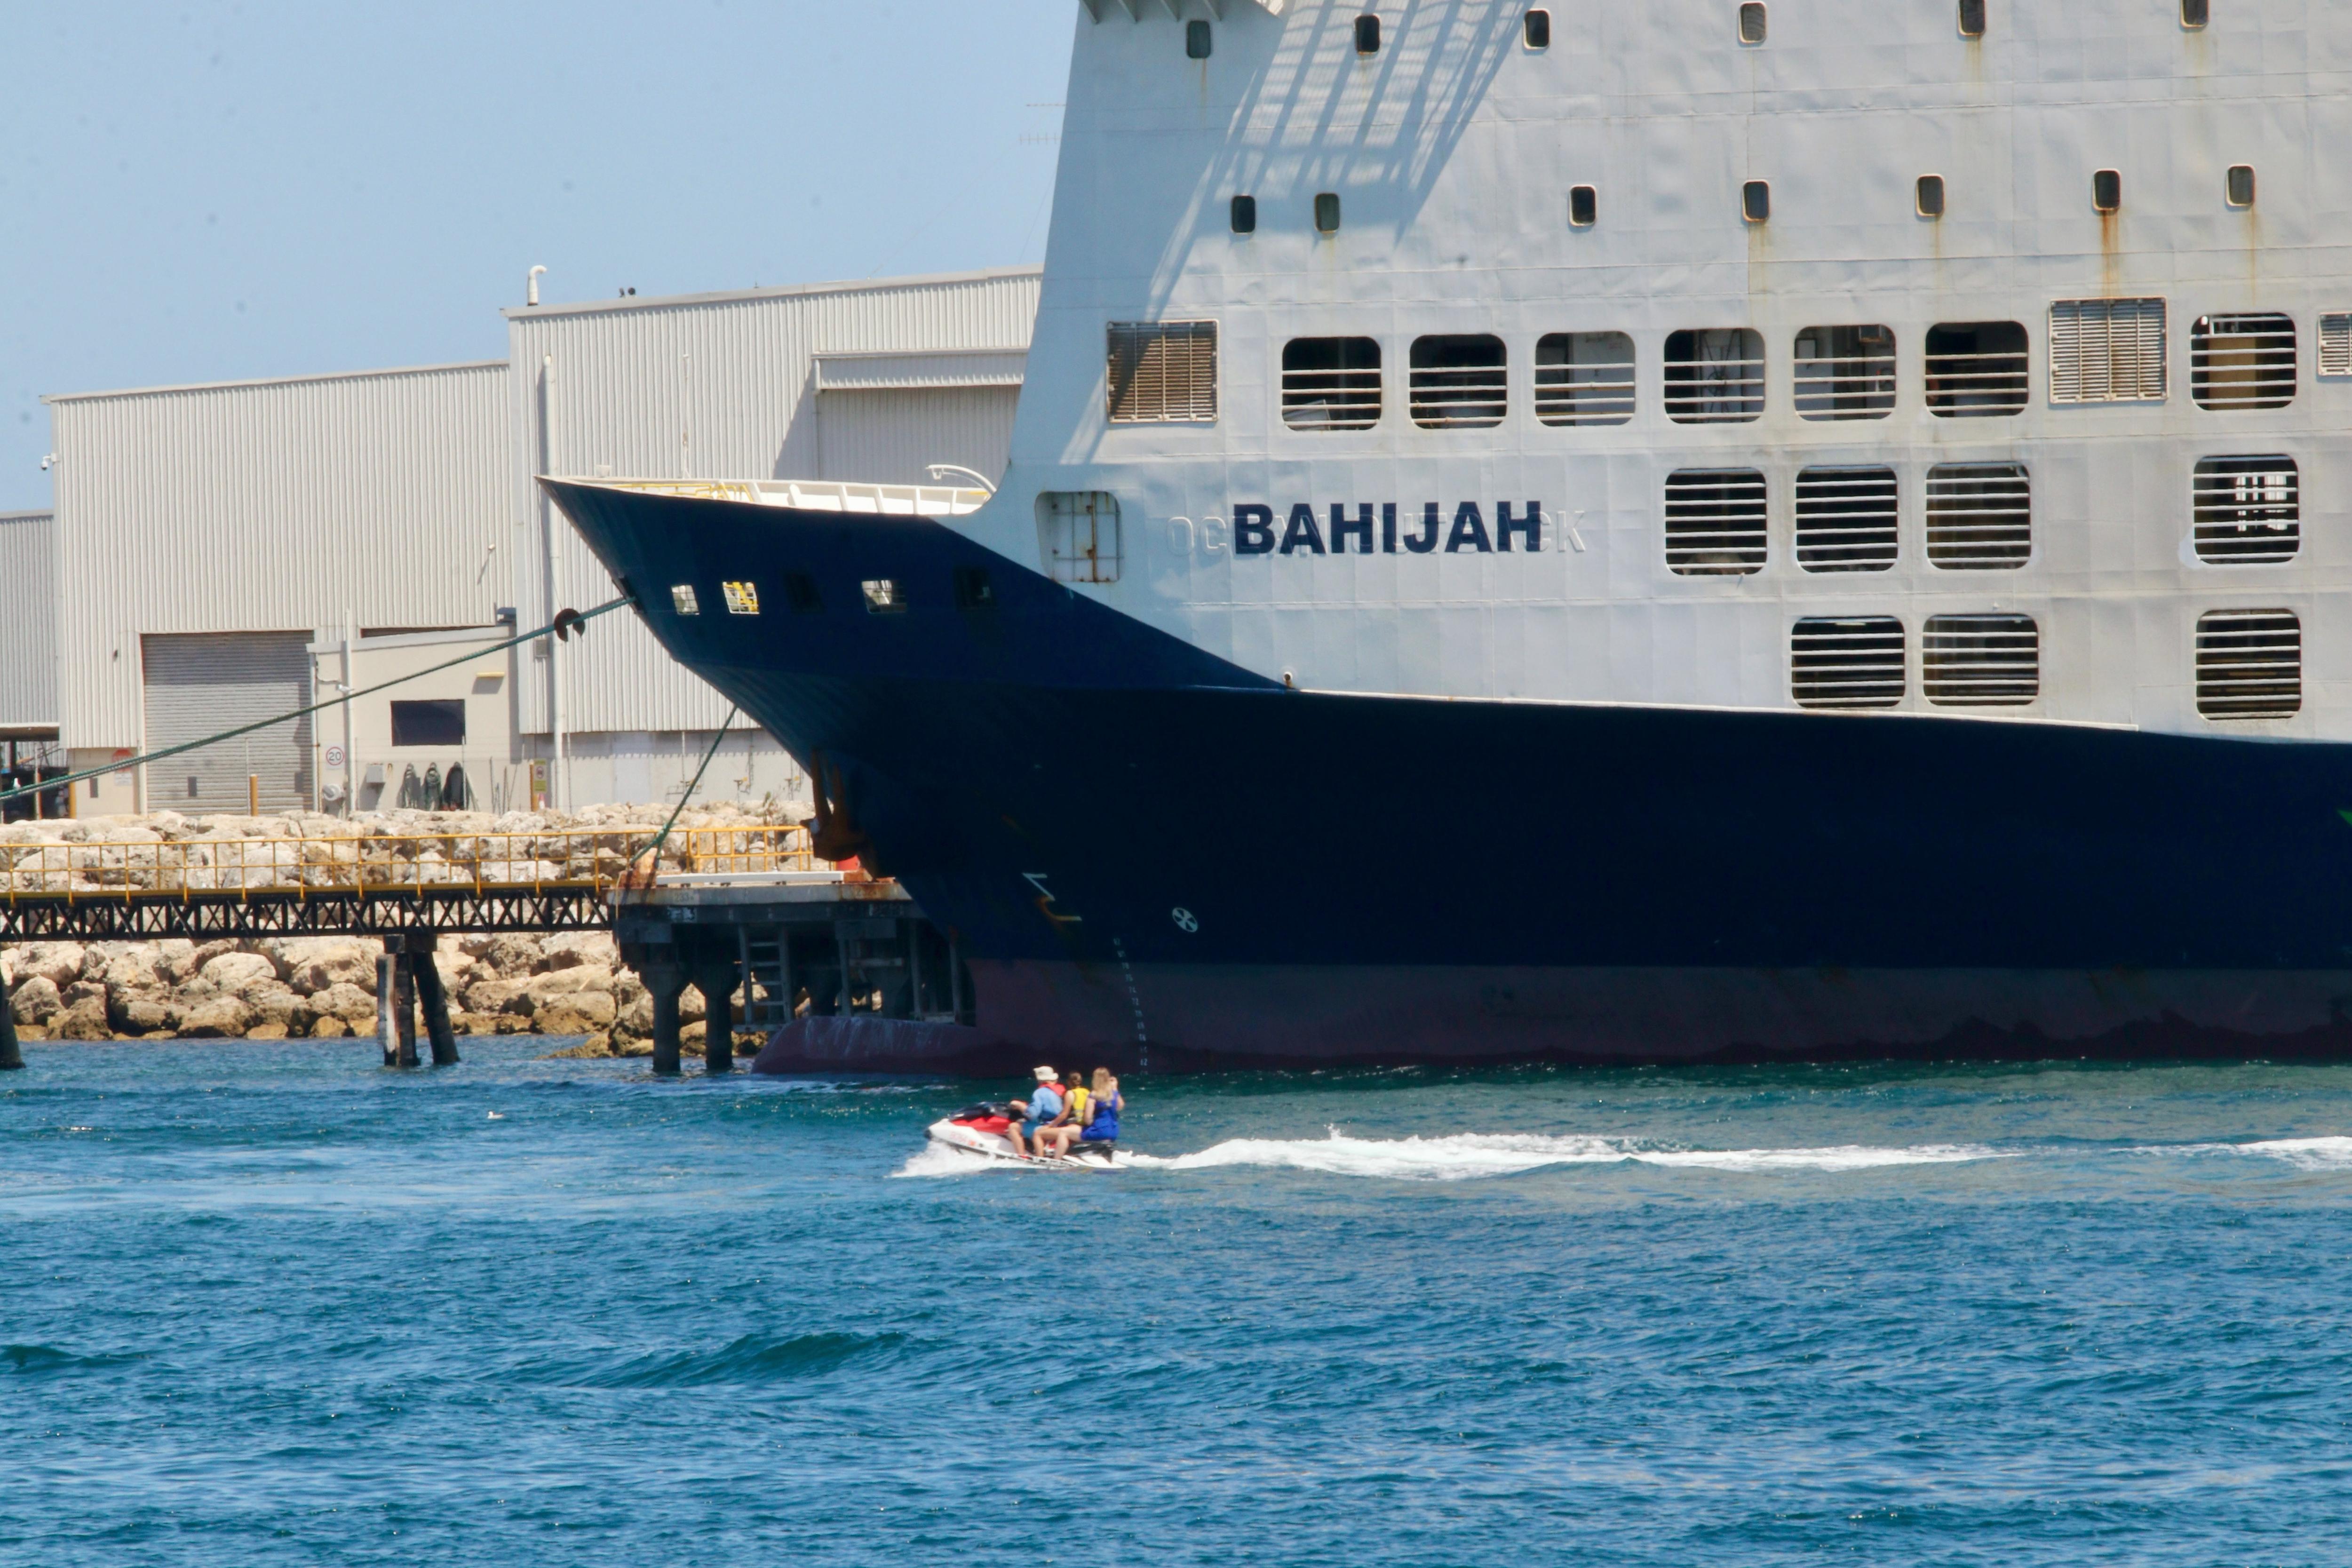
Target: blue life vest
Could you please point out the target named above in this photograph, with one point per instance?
(1104, 1128)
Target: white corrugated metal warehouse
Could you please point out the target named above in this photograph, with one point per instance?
(28, 626)
(212, 540)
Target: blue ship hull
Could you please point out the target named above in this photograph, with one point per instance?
(1154, 856)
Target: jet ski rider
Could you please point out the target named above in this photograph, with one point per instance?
(1045, 1106)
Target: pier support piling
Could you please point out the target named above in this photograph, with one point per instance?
(433, 997)
(12, 1058)
(665, 979)
(715, 978)
(395, 1006)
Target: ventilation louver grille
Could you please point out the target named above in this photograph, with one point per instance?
(1980, 516)
(1981, 661)
(1977, 370)
(1846, 663)
(1331, 383)
(1715, 522)
(2241, 362)
(1845, 372)
(1846, 520)
(2335, 345)
(2249, 664)
(1584, 378)
(1163, 373)
(2247, 509)
(1714, 376)
(2106, 350)
(1459, 382)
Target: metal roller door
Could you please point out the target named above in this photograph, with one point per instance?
(200, 685)
(891, 437)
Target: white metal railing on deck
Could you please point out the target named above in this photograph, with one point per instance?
(818, 495)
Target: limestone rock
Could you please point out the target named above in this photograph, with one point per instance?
(144, 1015)
(328, 1027)
(82, 991)
(474, 1023)
(690, 1009)
(544, 988)
(222, 1018)
(354, 1007)
(500, 996)
(129, 969)
(571, 949)
(237, 974)
(315, 964)
(58, 962)
(274, 1005)
(581, 1013)
(590, 1050)
(511, 956)
(265, 1031)
(34, 1001)
(82, 1020)
(637, 1016)
(692, 1036)
(188, 965)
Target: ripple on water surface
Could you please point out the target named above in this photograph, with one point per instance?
(270, 1304)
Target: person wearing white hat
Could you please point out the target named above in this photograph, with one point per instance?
(1043, 1106)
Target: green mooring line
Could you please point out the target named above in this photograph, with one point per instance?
(72, 779)
(692, 784)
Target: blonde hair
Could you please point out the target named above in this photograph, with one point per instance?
(1103, 1080)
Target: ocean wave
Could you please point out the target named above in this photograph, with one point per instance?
(752, 1359)
(939, 1160)
(1469, 1155)
(2302, 1153)
(37, 1361)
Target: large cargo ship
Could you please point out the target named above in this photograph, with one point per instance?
(1684, 530)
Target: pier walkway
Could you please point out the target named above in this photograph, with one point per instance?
(722, 909)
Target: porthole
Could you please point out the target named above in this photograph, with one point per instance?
(1244, 214)
(1368, 34)
(2240, 186)
(1197, 41)
(1583, 206)
(682, 599)
(1972, 18)
(1537, 29)
(1751, 22)
(2195, 13)
(2106, 191)
(1327, 212)
(1929, 195)
(1756, 201)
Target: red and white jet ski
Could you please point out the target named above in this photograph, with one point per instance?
(978, 1130)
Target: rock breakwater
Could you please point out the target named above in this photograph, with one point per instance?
(570, 984)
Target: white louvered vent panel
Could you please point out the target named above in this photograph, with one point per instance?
(1980, 516)
(2335, 345)
(2248, 510)
(1163, 373)
(1714, 376)
(1584, 378)
(1846, 520)
(1846, 662)
(1845, 372)
(1078, 536)
(1715, 522)
(2249, 664)
(1981, 661)
(2106, 350)
(2243, 362)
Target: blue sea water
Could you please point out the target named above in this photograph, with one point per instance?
(270, 1304)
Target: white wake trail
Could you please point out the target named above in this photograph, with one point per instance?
(1463, 1156)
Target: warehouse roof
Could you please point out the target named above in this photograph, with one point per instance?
(732, 296)
(279, 380)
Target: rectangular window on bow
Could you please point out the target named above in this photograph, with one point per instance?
(1714, 375)
(1584, 378)
(2241, 362)
(2248, 510)
(1846, 661)
(1977, 370)
(2249, 664)
(1845, 372)
(1077, 535)
(1715, 525)
(1459, 381)
(1331, 383)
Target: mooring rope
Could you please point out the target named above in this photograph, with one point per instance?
(692, 784)
(565, 620)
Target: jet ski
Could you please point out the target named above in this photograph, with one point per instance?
(977, 1131)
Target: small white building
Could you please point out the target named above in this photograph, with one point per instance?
(214, 543)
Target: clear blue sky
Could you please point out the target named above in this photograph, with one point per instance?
(201, 192)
